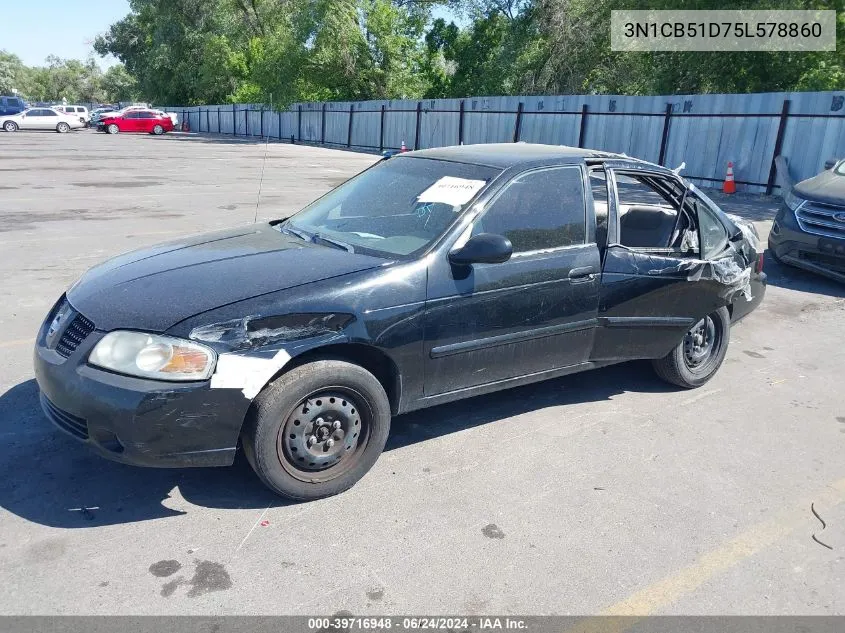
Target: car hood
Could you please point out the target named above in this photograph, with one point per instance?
(827, 187)
(155, 288)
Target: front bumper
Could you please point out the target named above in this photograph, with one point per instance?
(134, 420)
(815, 253)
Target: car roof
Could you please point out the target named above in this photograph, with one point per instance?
(504, 155)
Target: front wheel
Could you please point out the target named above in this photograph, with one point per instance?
(158, 130)
(112, 129)
(697, 358)
(10, 126)
(62, 128)
(317, 429)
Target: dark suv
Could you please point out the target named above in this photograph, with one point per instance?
(11, 105)
(809, 229)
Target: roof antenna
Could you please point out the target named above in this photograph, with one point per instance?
(263, 163)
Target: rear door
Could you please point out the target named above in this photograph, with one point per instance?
(146, 120)
(654, 283)
(533, 313)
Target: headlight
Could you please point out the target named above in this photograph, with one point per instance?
(792, 201)
(153, 356)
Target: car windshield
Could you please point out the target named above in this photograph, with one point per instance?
(397, 208)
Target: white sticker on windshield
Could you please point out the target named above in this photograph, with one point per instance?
(451, 190)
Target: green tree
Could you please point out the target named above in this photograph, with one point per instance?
(118, 85)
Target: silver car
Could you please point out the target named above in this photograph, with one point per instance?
(41, 119)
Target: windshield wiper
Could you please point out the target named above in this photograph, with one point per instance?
(300, 234)
(333, 242)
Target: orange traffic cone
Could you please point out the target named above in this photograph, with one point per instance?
(403, 148)
(729, 185)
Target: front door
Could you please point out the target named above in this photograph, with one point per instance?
(534, 313)
(652, 286)
(37, 119)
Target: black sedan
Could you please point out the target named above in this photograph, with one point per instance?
(432, 276)
(809, 229)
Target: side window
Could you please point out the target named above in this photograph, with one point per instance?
(598, 185)
(648, 211)
(36, 113)
(538, 210)
(49, 113)
(714, 236)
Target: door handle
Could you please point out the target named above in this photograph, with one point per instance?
(584, 273)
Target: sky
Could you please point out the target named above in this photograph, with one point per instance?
(57, 27)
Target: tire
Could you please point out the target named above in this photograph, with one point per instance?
(10, 126)
(317, 429)
(158, 130)
(112, 128)
(63, 128)
(690, 364)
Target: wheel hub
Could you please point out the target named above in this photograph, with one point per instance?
(321, 431)
(698, 343)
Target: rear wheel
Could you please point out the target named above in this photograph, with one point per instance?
(158, 130)
(697, 358)
(62, 128)
(10, 126)
(112, 128)
(317, 429)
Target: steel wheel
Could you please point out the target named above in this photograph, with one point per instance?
(700, 342)
(698, 356)
(113, 129)
(10, 126)
(62, 128)
(324, 435)
(158, 130)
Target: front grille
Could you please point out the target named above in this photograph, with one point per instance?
(64, 420)
(818, 218)
(76, 332)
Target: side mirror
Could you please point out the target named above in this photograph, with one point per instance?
(484, 248)
(830, 163)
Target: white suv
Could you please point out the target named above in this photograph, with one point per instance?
(80, 112)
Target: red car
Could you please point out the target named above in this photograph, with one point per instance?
(137, 121)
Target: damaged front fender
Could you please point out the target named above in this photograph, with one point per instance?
(255, 348)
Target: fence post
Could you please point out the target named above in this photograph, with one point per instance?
(262, 120)
(299, 122)
(246, 121)
(665, 138)
(218, 119)
(417, 131)
(517, 126)
(784, 115)
(582, 133)
(349, 129)
(461, 124)
(323, 125)
(234, 119)
(280, 125)
(381, 131)
(207, 120)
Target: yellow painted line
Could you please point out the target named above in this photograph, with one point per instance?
(752, 541)
(21, 341)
